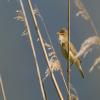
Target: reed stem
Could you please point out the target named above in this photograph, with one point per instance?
(69, 70)
(44, 51)
(34, 53)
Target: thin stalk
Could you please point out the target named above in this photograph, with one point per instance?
(61, 70)
(44, 51)
(2, 87)
(67, 90)
(69, 69)
(93, 26)
(34, 53)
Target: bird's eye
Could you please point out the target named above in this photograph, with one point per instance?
(62, 31)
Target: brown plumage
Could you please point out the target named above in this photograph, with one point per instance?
(63, 39)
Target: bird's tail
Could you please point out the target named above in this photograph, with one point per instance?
(79, 67)
(81, 70)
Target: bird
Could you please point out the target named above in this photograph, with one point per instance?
(70, 53)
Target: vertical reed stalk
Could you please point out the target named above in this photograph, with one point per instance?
(44, 51)
(69, 70)
(34, 53)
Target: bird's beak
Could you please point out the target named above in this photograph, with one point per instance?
(57, 34)
(58, 37)
(60, 42)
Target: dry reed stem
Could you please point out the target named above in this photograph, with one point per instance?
(69, 70)
(34, 53)
(55, 63)
(44, 50)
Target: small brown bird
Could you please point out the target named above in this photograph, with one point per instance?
(63, 39)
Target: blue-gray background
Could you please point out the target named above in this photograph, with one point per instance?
(16, 62)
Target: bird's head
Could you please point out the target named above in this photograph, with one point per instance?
(62, 35)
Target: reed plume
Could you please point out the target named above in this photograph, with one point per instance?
(96, 62)
(87, 46)
(82, 11)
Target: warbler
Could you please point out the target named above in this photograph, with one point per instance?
(72, 52)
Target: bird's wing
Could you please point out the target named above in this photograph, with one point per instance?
(73, 49)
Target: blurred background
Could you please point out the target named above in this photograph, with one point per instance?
(17, 66)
